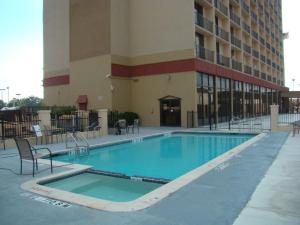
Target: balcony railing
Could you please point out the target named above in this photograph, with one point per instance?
(246, 27)
(247, 69)
(273, 50)
(245, 7)
(255, 53)
(274, 65)
(222, 33)
(256, 72)
(269, 62)
(223, 60)
(263, 76)
(268, 45)
(269, 78)
(262, 40)
(274, 80)
(235, 41)
(235, 18)
(261, 24)
(236, 65)
(254, 34)
(204, 53)
(221, 7)
(263, 58)
(204, 23)
(254, 16)
(247, 48)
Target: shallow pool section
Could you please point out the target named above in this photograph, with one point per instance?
(166, 157)
(104, 187)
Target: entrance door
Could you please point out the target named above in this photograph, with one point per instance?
(170, 111)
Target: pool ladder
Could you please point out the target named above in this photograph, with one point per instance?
(77, 144)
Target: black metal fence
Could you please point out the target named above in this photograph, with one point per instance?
(288, 118)
(113, 117)
(74, 122)
(191, 119)
(19, 127)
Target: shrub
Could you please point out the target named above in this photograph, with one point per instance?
(129, 117)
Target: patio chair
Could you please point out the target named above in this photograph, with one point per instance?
(93, 127)
(27, 152)
(121, 124)
(135, 124)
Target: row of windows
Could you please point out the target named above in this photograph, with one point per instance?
(220, 99)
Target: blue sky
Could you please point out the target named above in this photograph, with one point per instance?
(21, 46)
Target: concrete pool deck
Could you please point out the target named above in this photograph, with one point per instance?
(218, 197)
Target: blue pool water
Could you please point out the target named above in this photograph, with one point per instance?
(160, 157)
(104, 187)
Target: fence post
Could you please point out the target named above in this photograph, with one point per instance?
(44, 117)
(103, 120)
(274, 117)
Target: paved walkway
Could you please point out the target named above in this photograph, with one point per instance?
(216, 198)
(276, 200)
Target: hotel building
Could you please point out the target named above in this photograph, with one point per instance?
(164, 58)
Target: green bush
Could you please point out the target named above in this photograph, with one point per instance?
(57, 111)
(129, 117)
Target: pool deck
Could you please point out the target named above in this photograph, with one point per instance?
(260, 185)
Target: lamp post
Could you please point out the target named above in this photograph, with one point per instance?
(293, 84)
(2, 89)
(7, 94)
(18, 96)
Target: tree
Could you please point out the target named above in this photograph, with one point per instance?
(2, 104)
(32, 102)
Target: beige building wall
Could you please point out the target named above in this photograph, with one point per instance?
(56, 48)
(89, 28)
(121, 94)
(90, 77)
(154, 26)
(119, 27)
(56, 37)
(147, 90)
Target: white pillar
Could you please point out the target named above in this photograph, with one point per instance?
(44, 117)
(274, 117)
(103, 121)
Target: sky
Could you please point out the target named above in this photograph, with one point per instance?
(21, 47)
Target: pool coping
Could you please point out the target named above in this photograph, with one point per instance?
(144, 201)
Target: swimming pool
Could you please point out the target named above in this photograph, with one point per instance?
(166, 157)
(176, 158)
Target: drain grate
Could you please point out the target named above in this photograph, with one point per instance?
(47, 200)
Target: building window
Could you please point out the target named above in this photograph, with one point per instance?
(224, 99)
(206, 99)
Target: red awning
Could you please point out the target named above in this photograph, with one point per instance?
(82, 99)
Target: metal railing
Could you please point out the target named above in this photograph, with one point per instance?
(235, 41)
(246, 27)
(248, 69)
(256, 72)
(204, 53)
(17, 128)
(221, 7)
(223, 60)
(262, 40)
(263, 76)
(245, 7)
(235, 18)
(222, 33)
(247, 48)
(288, 118)
(254, 16)
(254, 34)
(204, 23)
(236, 65)
(255, 53)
